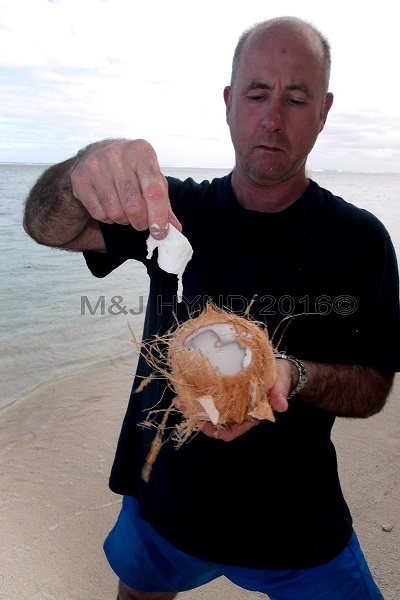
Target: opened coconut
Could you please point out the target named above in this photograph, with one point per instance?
(221, 367)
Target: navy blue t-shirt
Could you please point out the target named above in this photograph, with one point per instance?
(324, 277)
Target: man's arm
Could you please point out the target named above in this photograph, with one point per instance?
(346, 390)
(116, 181)
(55, 217)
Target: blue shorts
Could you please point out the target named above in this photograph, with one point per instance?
(145, 561)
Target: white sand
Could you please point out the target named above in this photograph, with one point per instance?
(56, 450)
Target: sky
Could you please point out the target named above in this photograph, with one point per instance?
(76, 71)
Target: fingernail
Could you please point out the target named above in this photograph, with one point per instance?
(157, 231)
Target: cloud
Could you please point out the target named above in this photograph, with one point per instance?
(74, 71)
(57, 34)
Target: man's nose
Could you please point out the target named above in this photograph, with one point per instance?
(273, 115)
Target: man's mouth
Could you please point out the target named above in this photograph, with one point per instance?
(272, 149)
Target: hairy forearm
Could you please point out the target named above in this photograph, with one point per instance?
(53, 216)
(346, 391)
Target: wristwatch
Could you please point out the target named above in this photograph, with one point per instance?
(303, 376)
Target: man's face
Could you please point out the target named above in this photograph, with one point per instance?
(277, 106)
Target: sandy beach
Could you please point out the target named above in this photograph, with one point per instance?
(56, 449)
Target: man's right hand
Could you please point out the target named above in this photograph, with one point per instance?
(113, 181)
(120, 181)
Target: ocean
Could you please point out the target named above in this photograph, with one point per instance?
(56, 319)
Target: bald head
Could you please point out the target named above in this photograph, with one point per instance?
(297, 30)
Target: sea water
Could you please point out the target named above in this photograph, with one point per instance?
(56, 319)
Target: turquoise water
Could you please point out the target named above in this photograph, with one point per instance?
(49, 324)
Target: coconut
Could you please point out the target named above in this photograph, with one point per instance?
(221, 367)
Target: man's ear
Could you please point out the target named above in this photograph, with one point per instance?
(327, 106)
(227, 100)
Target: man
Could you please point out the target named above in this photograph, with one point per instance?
(261, 502)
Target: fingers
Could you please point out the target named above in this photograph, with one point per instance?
(278, 400)
(277, 395)
(151, 207)
(227, 433)
(121, 182)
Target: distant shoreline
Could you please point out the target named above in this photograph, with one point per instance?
(206, 168)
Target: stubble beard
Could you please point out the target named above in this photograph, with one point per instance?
(265, 173)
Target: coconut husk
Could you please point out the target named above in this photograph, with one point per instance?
(238, 397)
(203, 393)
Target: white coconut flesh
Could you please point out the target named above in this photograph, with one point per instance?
(174, 253)
(207, 402)
(219, 344)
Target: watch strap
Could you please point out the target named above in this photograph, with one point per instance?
(302, 371)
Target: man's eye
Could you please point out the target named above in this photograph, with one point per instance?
(255, 98)
(296, 102)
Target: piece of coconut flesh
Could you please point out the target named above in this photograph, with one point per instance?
(207, 402)
(218, 343)
(174, 253)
